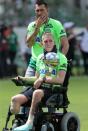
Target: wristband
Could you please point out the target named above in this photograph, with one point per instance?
(44, 79)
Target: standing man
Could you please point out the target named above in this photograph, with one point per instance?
(35, 30)
(84, 49)
(3, 51)
(12, 40)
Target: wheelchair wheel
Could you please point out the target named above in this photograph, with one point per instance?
(47, 127)
(70, 122)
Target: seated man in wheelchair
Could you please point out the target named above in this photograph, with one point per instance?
(50, 68)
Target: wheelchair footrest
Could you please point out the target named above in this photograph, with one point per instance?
(6, 129)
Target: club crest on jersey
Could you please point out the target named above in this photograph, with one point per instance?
(38, 39)
(48, 26)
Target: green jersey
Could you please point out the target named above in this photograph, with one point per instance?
(53, 26)
(45, 70)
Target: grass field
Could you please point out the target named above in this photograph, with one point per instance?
(78, 96)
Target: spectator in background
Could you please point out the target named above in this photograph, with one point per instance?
(3, 52)
(84, 49)
(69, 26)
(70, 54)
(13, 45)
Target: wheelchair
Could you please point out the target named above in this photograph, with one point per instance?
(51, 116)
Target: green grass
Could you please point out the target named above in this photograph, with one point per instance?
(78, 96)
(7, 90)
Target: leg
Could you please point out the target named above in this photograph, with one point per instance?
(20, 99)
(37, 96)
(16, 102)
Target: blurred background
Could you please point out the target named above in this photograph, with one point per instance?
(15, 15)
(20, 12)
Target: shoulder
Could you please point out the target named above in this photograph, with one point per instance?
(32, 24)
(40, 57)
(14, 34)
(62, 62)
(62, 58)
(56, 21)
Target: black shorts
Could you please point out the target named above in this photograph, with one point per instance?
(29, 92)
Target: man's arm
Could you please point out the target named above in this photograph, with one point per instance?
(57, 80)
(30, 39)
(64, 44)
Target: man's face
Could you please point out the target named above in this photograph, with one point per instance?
(48, 42)
(6, 33)
(41, 10)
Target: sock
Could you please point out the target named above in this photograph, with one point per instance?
(25, 127)
(30, 119)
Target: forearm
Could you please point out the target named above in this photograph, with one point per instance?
(53, 80)
(29, 80)
(65, 50)
(30, 40)
(65, 45)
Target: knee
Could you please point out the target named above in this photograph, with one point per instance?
(15, 105)
(37, 95)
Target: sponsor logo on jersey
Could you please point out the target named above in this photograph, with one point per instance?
(43, 71)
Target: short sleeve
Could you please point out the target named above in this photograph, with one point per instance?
(63, 63)
(62, 31)
(30, 28)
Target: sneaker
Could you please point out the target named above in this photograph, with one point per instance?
(23, 128)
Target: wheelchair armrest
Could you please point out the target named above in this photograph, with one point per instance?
(60, 89)
(19, 82)
(56, 88)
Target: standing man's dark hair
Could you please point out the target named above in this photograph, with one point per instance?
(40, 2)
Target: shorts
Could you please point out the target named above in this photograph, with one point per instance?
(29, 92)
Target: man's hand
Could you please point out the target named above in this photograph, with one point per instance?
(41, 20)
(38, 83)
